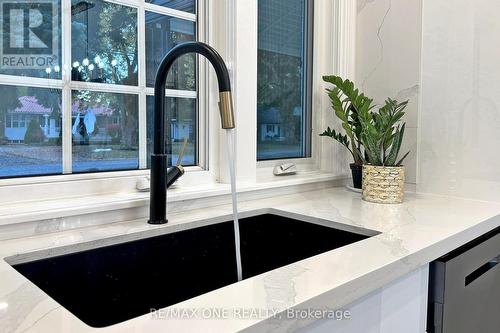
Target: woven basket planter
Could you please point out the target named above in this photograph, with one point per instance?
(383, 184)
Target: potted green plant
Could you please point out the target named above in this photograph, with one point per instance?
(382, 134)
(346, 102)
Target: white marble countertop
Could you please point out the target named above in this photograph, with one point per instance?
(422, 229)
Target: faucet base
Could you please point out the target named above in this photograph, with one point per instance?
(158, 195)
(158, 221)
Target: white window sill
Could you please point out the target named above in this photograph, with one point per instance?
(74, 212)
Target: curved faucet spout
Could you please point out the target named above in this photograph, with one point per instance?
(158, 198)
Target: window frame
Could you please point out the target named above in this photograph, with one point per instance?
(310, 161)
(308, 82)
(65, 85)
(334, 40)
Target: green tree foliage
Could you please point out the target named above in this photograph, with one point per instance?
(34, 133)
(115, 38)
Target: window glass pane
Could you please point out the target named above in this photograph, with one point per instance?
(105, 131)
(281, 107)
(103, 42)
(182, 114)
(30, 138)
(162, 34)
(31, 54)
(184, 5)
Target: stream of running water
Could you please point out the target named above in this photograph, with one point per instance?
(231, 158)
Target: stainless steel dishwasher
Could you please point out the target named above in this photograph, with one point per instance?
(464, 288)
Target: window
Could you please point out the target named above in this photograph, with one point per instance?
(162, 34)
(27, 145)
(105, 131)
(284, 71)
(183, 126)
(104, 42)
(83, 104)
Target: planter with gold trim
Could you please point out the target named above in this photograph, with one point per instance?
(383, 184)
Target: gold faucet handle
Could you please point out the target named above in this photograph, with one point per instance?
(181, 153)
(226, 110)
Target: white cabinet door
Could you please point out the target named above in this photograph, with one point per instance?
(401, 306)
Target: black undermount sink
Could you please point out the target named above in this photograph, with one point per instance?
(111, 284)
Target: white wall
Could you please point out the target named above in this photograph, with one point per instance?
(460, 120)
(388, 60)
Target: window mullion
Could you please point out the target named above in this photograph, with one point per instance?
(170, 12)
(202, 115)
(181, 93)
(105, 87)
(67, 148)
(141, 43)
(175, 92)
(23, 81)
(141, 53)
(142, 132)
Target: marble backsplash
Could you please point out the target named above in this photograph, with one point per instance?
(388, 60)
(443, 56)
(460, 119)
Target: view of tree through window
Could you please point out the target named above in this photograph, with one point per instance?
(162, 34)
(109, 88)
(282, 105)
(105, 131)
(103, 42)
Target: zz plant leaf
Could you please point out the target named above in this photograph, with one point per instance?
(342, 139)
(347, 104)
(373, 137)
(382, 135)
